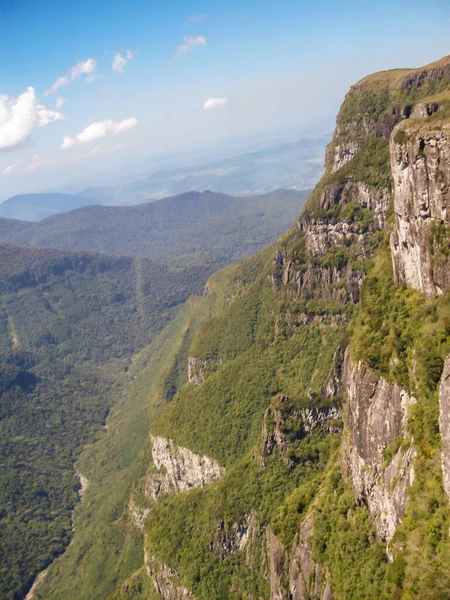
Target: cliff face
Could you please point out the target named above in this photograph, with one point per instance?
(333, 458)
(376, 420)
(420, 160)
(328, 262)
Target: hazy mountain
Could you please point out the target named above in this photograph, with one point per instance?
(189, 224)
(295, 165)
(34, 207)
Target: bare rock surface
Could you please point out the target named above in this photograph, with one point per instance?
(179, 469)
(420, 162)
(375, 419)
(167, 580)
(228, 539)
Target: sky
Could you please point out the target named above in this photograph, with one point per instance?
(108, 86)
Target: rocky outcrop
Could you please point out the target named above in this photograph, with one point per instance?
(332, 387)
(167, 581)
(295, 575)
(198, 370)
(307, 579)
(346, 213)
(341, 153)
(178, 469)
(377, 453)
(228, 539)
(341, 227)
(420, 242)
(278, 432)
(444, 423)
(277, 566)
(138, 514)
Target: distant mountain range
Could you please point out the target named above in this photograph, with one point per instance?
(186, 226)
(291, 165)
(34, 207)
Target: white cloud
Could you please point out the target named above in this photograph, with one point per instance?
(97, 131)
(87, 68)
(9, 169)
(60, 101)
(189, 44)
(120, 61)
(20, 116)
(214, 103)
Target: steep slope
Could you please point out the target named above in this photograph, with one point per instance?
(302, 458)
(193, 224)
(108, 546)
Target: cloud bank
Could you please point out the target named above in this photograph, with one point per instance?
(20, 116)
(214, 103)
(97, 131)
(120, 61)
(87, 68)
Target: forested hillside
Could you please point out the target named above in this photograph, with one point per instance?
(299, 442)
(191, 227)
(69, 325)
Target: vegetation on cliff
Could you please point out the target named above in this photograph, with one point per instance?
(266, 401)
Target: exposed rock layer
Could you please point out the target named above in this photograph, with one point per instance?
(179, 469)
(166, 580)
(375, 420)
(420, 243)
(295, 575)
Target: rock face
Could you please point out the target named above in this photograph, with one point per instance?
(166, 580)
(295, 575)
(278, 417)
(306, 578)
(444, 423)
(231, 539)
(277, 567)
(198, 370)
(138, 514)
(338, 222)
(375, 421)
(420, 243)
(179, 469)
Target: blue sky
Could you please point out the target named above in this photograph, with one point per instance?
(187, 74)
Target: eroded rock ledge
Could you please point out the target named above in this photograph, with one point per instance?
(179, 469)
(377, 453)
